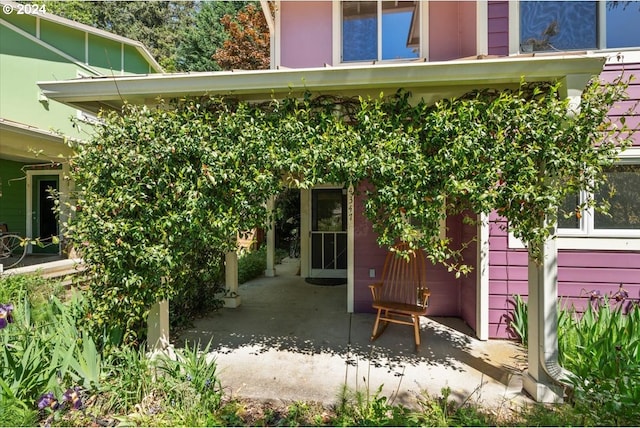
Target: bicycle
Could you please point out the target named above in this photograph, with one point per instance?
(13, 248)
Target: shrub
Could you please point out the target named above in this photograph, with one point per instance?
(602, 350)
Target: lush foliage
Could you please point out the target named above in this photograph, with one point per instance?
(203, 39)
(601, 348)
(44, 356)
(162, 191)
(247, 46)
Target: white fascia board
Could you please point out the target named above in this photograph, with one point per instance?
(265, 84)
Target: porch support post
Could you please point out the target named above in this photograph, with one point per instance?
(305, 231)
(482, 279)
(271, 241)
(350, 250)
(158, 326)
(543, 326)
(231, 297)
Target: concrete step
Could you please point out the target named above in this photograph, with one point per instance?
(67, 271)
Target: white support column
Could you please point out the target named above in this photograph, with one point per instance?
(482, 28)
(543, 326)
(350, 249)
(271, 242)
(158, 326)
(482, 279)
(305, 231)
(231, 296)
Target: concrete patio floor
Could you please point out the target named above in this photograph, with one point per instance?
(291, 341)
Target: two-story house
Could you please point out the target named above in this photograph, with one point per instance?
(436, 49)
(34, 46)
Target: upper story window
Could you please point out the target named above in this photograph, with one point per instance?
(577, 25)
(380, 30)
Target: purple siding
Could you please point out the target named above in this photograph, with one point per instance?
(579, 272)
(498, 28)
(627, 70)
(449, 296)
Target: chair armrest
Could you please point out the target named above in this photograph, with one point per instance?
(374, 288)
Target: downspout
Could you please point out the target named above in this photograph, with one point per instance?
(545, 379)
(266, 10)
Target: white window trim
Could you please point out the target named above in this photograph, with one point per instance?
(423, 12)
(601, 40)
(588, 238)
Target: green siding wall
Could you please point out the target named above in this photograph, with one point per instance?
(22, 64)
(105, 54)
(13, 203)
(134, 62)
(24, 22)
(68, 40)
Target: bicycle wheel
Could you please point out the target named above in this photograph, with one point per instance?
(12, 250)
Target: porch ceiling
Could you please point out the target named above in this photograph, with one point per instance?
(430, 80)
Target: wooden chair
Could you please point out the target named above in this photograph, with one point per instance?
(402, 295)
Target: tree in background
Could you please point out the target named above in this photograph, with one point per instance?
(247, 47)
(206, 36)
(160, 25)
(182, 35)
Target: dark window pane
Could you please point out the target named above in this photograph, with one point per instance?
(316, 251)
(329, 251)
(569, 206)
(623, 193)
(341, 249)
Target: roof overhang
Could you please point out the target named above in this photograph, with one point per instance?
(25, 143)
(429, 80)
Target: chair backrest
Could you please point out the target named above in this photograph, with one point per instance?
(402, 279)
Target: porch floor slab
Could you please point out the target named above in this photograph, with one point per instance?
(291, 340)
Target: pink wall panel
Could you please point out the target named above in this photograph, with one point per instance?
(305, 39)
(468, 284)
(452, 28)
(498, 23)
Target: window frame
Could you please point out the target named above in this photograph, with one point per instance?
(515, 47)
(587, 237)
(423, 7)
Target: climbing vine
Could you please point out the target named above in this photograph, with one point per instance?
(162, 189)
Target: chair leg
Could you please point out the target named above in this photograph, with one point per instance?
(374, 334)
(416, 330)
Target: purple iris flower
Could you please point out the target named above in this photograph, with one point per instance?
(621, 295)
(48, 400)
(6, 316)
(72, 396)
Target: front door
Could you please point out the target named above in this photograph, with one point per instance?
(328, 233)
(45, 221)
